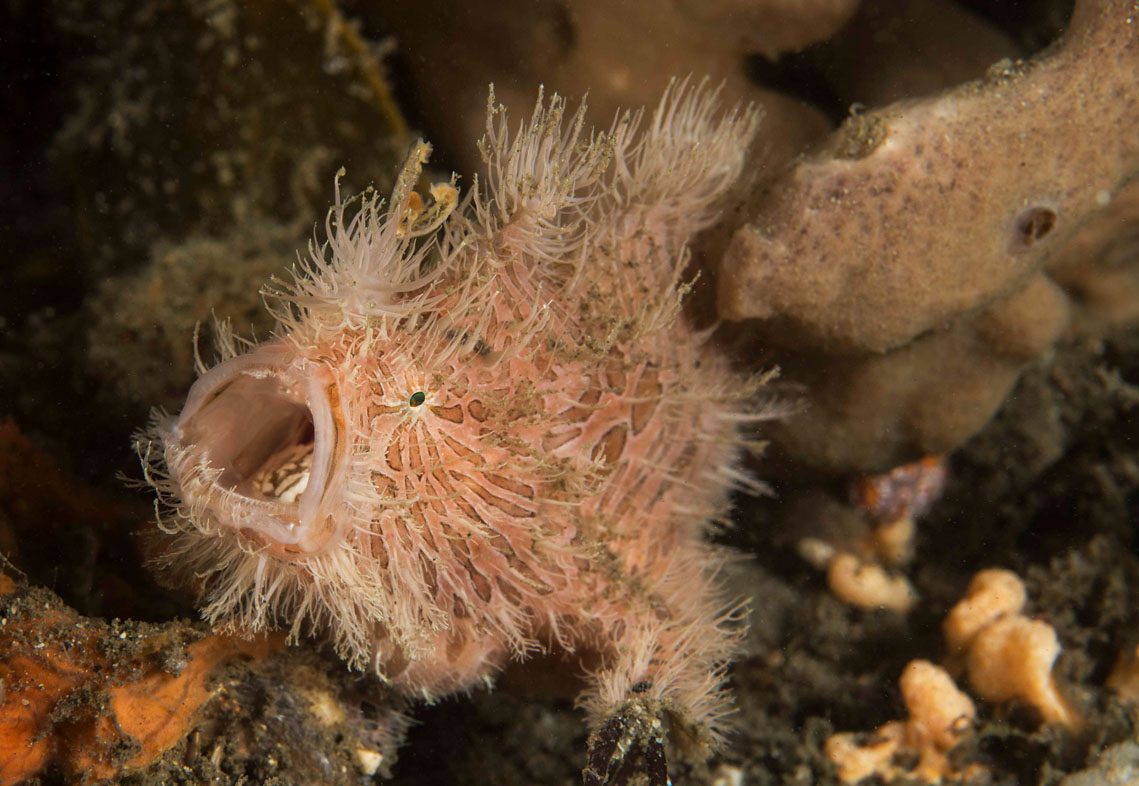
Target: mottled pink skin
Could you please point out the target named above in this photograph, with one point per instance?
(575, 441)
(601, 505)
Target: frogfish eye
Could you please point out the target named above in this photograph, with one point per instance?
(259, 446)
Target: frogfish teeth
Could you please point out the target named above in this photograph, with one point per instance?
(483, 428)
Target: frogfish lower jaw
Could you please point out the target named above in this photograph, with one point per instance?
(259, 446)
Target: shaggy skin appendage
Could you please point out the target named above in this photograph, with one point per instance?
(483, 430)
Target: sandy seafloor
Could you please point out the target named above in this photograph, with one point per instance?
(106, 173)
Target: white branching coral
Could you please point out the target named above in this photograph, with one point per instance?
(860, 571)
(940, 717)
(1008, 656)
(483, 430)
(992, 594)
(868, 586)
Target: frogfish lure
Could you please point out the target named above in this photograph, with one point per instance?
(483, 429)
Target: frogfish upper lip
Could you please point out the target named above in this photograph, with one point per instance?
(259, 446)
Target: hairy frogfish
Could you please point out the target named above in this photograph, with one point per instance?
(484, 428)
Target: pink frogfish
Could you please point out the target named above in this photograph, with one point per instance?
(484, 429)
